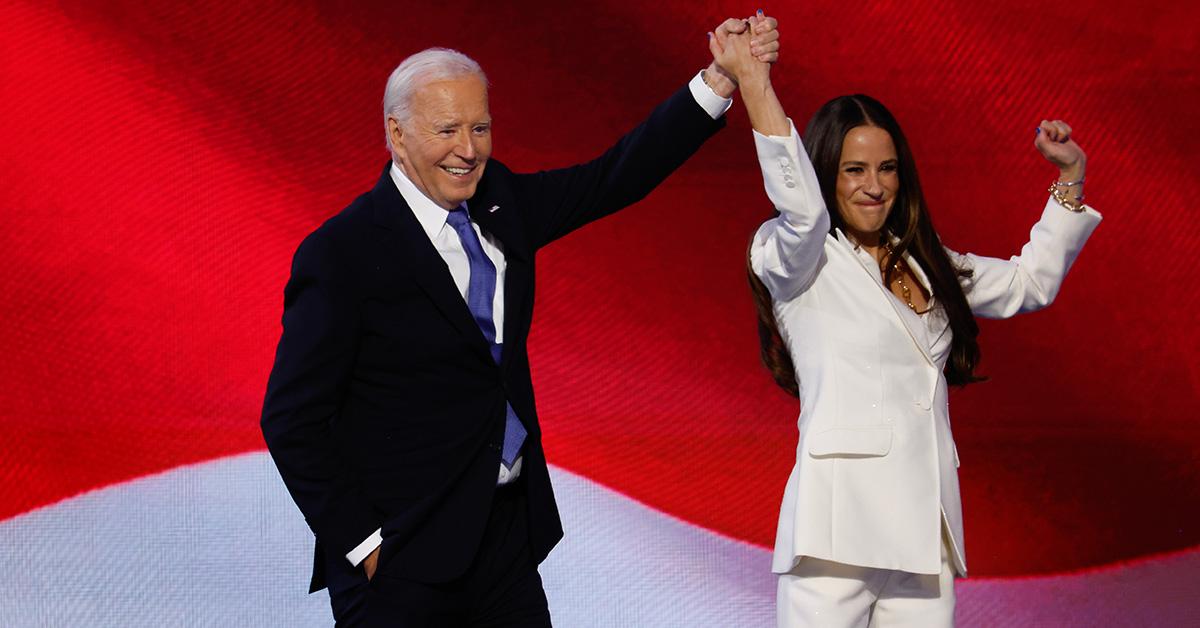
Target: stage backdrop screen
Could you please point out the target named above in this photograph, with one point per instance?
(162, 161)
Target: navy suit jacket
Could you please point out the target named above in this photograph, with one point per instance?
(384, 408)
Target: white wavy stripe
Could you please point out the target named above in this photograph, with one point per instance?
(221, 544)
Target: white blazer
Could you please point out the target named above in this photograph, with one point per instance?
(876, 467)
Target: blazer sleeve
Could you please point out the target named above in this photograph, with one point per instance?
(307, 385)
(556, 202)
(786, 250)
(1000, 288)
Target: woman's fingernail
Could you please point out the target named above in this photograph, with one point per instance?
(1037, 131)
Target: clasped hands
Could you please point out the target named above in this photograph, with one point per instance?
(741, 49)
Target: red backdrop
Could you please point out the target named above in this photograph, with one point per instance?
(161, 163)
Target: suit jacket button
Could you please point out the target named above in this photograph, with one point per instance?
(494, 446)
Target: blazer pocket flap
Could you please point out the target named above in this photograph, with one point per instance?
(851, 441)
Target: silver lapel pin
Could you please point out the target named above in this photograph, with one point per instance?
(493, 209)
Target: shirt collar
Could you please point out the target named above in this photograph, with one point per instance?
(428, 213)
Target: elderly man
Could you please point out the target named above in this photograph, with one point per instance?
(400, 410)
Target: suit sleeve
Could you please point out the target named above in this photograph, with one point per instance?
(556, 202)
(1000, 288)
(787, 249)
(304, 394)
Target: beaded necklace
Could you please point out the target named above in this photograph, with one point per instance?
(904, 289)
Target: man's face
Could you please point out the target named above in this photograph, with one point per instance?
(446, 143)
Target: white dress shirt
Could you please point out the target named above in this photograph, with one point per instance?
(445, 239)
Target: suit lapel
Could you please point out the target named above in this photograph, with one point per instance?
(877, 278)
(498, 217)
(402, 233)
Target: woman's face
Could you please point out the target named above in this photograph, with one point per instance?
(867, 180)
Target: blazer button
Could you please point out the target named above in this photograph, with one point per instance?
(494, 446)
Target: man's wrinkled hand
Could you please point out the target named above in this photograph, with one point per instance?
(764, 35)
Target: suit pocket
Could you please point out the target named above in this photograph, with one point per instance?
(851, 442)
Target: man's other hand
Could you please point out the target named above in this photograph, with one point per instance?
(370, 563)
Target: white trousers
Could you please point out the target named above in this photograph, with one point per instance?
(823, 594)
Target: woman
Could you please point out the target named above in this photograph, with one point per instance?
(866, 318)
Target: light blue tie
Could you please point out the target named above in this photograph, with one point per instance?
(481, 292)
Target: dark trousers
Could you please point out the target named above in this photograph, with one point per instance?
(502, 587)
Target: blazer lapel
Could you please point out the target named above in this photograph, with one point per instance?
(924, 279)
(498, 217)
(402, 232)
(877, 278)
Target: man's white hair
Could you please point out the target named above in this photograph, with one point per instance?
(428, 66)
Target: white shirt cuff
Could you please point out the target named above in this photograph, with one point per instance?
(364, 549)
(708, 100)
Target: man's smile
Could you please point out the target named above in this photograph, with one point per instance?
(458, 171)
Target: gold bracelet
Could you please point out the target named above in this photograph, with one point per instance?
(1070, 204)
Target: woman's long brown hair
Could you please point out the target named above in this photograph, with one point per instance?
(909, 221)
